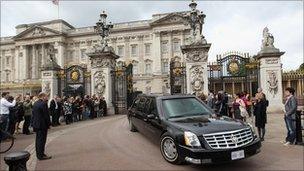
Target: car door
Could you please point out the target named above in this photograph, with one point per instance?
(133, 113)
(140, 115)
(153, 126)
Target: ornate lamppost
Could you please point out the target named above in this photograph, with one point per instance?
(196, 21)
(103, 29)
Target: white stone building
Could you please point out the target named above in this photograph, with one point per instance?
(148, 44)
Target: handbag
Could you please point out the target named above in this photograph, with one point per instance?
(244, 112)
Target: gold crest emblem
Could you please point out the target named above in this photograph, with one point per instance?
(75, 76)
(233, 67)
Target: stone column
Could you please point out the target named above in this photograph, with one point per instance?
(196, 67)
(157, 53)
(16, 59)
(34, 60)
(102, 63)
(233, 88)
(271, 77)
(60, 46)
(288, 83)
(157, 63)
(24, 63)
(242, 85)
(42, 54)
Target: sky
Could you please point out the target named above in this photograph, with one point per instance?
(229, 25)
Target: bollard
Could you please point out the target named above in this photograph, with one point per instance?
(17, 160)
(298, 128)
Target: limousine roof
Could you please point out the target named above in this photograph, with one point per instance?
(166, 95)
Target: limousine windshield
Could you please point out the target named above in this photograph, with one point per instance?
(183, 107)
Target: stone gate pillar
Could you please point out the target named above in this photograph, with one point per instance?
(49, 78)
(270, 73)
(196, 67)
(102, 63)
(196, 53)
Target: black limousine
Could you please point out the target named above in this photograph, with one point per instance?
(188, 131)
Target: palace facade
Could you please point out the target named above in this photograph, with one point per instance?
(148, 44)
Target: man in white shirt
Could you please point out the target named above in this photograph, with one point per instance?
(4, 111)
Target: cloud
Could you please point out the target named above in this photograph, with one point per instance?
(229, 25)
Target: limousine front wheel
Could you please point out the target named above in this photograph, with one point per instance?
(169, 151)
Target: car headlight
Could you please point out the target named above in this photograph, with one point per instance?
(191, 139)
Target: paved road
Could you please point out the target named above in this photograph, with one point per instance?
(106, 144)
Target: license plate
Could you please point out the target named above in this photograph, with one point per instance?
(237, 155)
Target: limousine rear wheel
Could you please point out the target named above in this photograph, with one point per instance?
(169, 150)
(131, 126)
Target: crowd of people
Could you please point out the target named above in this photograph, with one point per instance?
(40, 113)
(242, 107)
(245, 108)
(68, 109)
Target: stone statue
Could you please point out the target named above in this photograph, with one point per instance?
(51, 61)
(268, 39)
(51, 53)
(272, 83)
(38, 32)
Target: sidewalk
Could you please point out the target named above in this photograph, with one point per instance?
(106, 141)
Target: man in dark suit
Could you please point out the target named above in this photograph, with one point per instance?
(41, 123)
(55, 111)
(103, 106)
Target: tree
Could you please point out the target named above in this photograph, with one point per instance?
(301, 68)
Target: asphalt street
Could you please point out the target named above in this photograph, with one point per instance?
(107, 144)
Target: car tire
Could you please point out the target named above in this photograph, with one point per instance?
(131, 126)
(169, 150)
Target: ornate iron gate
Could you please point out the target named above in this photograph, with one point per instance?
(235, 68)
(177, 77)
(122, 80)
(74, 80)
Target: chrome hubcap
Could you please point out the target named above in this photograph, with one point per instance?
(169, 149)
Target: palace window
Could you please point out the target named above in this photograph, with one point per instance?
(164, 47)
(83, 55)
(165, 67)
(120, 51)
(135, 68)
(147, 49)
(7, 60)
(134, 50)
(176, 46)
(148, 68)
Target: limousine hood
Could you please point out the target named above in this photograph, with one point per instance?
(205, 125)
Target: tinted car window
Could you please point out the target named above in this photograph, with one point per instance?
(174, 108)
(141, 104)
(147, 106)
(153, 108)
